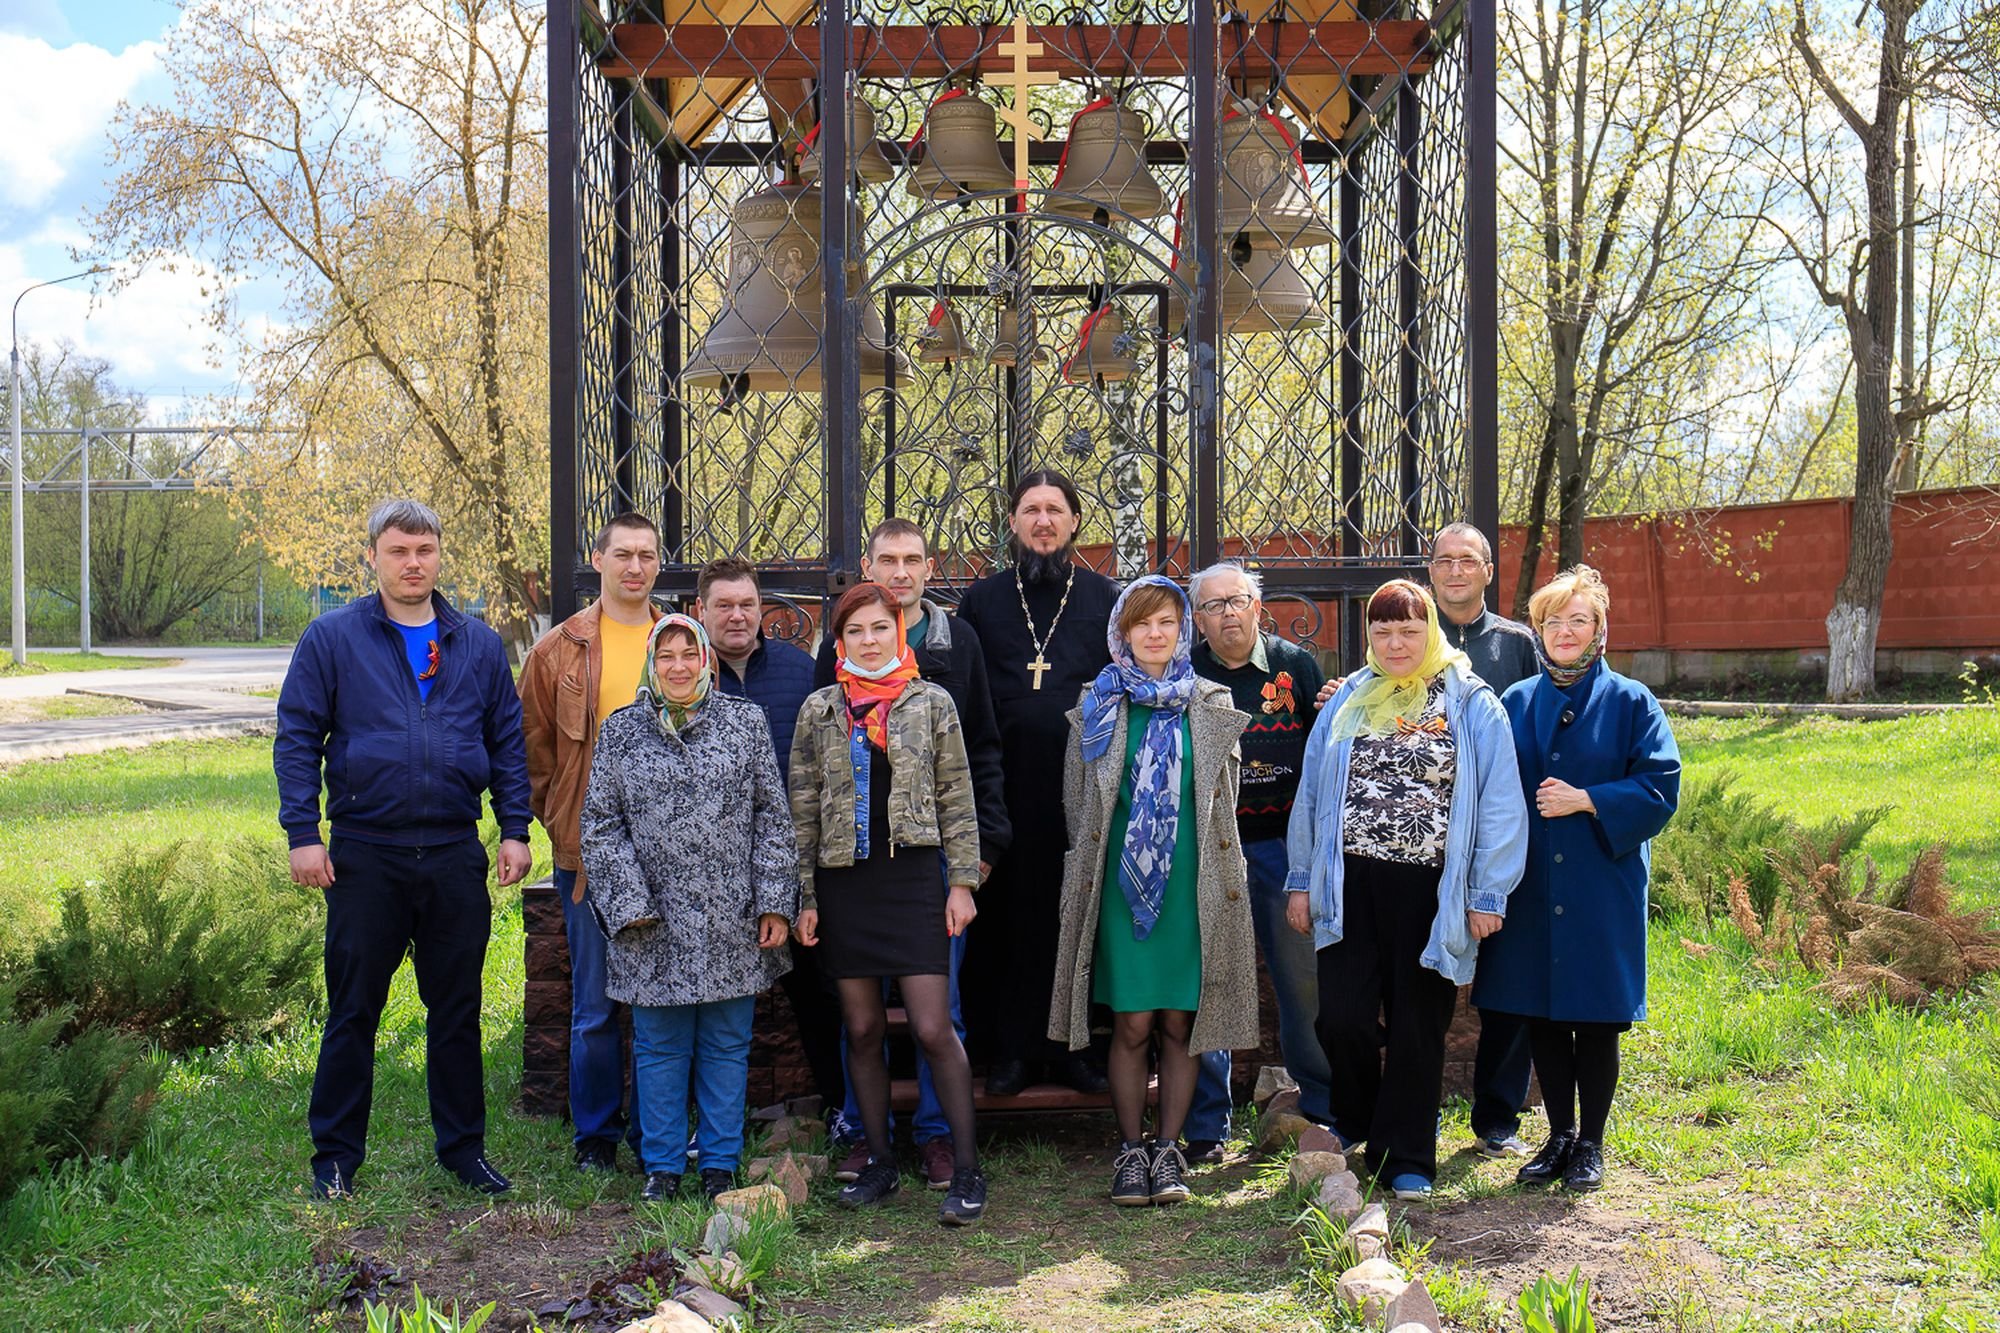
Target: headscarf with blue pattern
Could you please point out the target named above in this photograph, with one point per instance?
(1147, 857)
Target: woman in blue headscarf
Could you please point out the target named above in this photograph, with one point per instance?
(1155, 920)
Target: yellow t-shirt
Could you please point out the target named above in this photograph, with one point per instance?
(624, 648)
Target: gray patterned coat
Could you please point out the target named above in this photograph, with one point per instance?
(1226, 1018)
(695, 836)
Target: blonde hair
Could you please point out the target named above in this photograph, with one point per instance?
(1147, 601)
(1578, 580)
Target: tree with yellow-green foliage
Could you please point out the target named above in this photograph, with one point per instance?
(387, 160)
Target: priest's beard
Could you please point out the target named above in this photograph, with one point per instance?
(1031, 566)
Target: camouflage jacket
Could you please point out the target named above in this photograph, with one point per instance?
(930, 784)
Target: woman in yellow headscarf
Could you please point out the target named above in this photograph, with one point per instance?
(1407, 835)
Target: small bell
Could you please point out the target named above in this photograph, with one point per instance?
(864, 151)
(1006, 349)
(1264, 194)
(1098, 357)
(1103, 172)
(943, 340)
(1268, 294)
(961, 139)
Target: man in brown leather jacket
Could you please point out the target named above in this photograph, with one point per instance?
(577, 675)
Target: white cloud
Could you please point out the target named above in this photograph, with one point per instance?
(54, 106)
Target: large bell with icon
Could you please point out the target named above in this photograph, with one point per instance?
(943, 340)
(768, 337)
(1099, 358)
(1103, 173)
(961, 139)
(863, 149)
(1265, 199)
(1006, 348)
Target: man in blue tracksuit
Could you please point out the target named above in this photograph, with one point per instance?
(406, 709)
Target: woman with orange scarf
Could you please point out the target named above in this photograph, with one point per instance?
(882, 803)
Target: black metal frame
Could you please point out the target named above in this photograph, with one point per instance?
(1389, 144)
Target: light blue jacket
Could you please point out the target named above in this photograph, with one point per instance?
(1486, 841)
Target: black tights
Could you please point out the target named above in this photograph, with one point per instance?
(1131, 1045)
(1577, 1064)
(927, 1000)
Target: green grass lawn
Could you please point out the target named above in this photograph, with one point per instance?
(1775, 1164)
(41, 663)
(61, 706)
(1937, 771)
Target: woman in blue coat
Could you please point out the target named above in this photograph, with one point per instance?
(1602, 774)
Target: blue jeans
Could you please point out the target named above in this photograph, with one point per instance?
(703, 1045)
(930, 1122)
(596, 1053)
(1294, 972)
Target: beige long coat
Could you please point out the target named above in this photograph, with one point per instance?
(1227, 1015)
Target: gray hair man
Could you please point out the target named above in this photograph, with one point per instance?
(405, 709)
(1278, 684)
(1502, 652)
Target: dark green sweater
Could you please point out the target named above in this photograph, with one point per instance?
(1280, 703)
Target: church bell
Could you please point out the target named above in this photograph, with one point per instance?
(943, 340)
(1263, 293)
(1097, 357)
(1264, 197)
(767, 339)
(1103, 172)
(961, 140)
(863, 150)
(1006, 349)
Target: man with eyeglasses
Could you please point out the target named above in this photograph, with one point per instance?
(1502, 652)
(1278, 684)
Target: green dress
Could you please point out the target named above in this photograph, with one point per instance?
(1162, 971)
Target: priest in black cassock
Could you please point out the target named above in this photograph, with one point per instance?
(1042, 625)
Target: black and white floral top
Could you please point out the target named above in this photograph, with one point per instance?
(1399, 788)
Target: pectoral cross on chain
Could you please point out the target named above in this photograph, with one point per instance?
(1037, 667)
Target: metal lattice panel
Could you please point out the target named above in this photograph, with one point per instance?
(1244, 315)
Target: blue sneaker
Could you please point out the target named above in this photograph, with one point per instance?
(1410, 1187)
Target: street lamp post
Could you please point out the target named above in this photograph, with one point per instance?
(19, 547)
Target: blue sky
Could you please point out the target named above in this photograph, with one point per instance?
(67, 63)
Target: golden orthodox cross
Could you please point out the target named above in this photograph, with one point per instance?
(1020, 79)
(1038, 666)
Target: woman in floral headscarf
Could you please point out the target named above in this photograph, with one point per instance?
(1155, 918)
(1407, 835)
(691, 871)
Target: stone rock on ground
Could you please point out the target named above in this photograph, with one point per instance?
(712, 1306)
(724, 1230)
(1414, 1308)
(750, 1199)
(794, 1131)
(1309, 1168)
(766, 1115)
(1339, 1195)
(717, 1272)
(1281, 1122)
(670, 1317)
(1271, 1080)
(1318, 1138)
(1370, 1247)
(1372, 1222)
(806, 1106)
(790, 1176)
(1370, 1286)
(1409, 1328)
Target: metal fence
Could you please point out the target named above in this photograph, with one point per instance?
(1233, 272)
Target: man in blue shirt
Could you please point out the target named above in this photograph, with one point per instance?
(406, 710)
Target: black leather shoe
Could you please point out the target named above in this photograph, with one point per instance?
(330, 1182)
(478, 1174)
(661, 1186)
(1081, 1075)
(1202, 1152)
(714, 1181)
(1586, 1166)
(1548, 1165)
(596, 1155)
(1006, 1078)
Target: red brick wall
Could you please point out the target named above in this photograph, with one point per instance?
(1763, 576)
